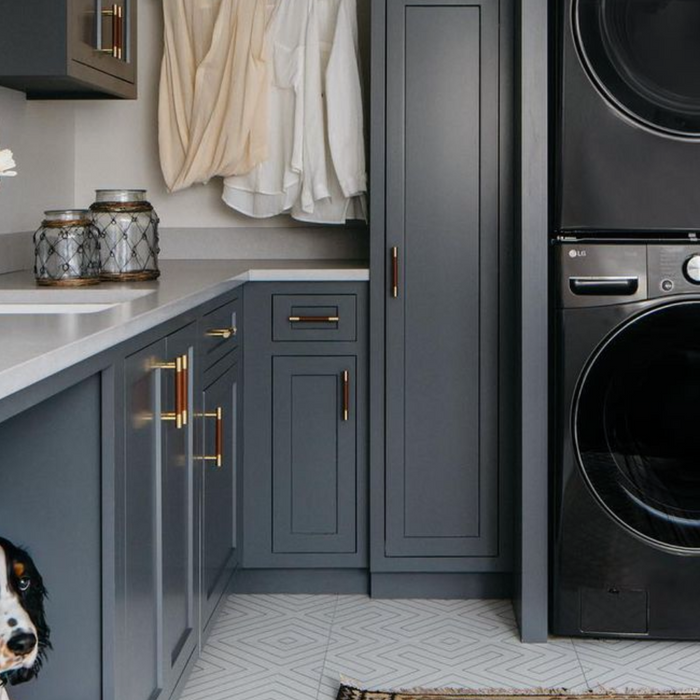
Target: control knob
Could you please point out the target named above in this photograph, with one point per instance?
(691, 269)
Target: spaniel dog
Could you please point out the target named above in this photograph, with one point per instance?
(24, 634)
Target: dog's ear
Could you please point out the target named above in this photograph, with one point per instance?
(22, 675)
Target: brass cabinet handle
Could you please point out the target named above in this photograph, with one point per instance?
(179, 416)
(185, 391)
(224, 333)
(395, 272)
(314, 319)
(346, 395)
(114, 13)
(120, 32)
(218, 458)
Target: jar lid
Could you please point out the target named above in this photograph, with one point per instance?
(120, 196)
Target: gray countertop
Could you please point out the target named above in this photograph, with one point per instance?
(34, 347)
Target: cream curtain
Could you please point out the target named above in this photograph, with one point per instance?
(214, 89)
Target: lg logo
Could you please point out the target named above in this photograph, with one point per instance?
(577, 253)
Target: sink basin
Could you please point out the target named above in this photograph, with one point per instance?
(65, 301)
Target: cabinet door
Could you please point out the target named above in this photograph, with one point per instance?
(92, 34)
(177, 519)
(93, 31)
(314, 466)
(141, 666)
(219, 464)
(442, 318)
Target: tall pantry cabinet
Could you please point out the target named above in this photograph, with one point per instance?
(440, 259)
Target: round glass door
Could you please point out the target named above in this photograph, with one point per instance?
(644, 57)
(636, 425)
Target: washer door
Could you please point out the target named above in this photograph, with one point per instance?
(636, 425)
(644, 57)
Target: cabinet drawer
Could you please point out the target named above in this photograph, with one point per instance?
(220, 332)
(316, 317)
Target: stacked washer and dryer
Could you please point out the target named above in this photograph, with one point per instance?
(626, 257)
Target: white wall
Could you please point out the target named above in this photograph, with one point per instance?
(42, 137)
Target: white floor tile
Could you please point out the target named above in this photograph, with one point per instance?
(619, 665)
(436, 644)
(281, 647)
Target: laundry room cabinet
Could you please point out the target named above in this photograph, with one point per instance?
(440, 251)
(158, 527)
(305, 477)
(69, 48)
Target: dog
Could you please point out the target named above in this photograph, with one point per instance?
(24, 634)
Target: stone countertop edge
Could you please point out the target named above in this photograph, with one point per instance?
(37, 356)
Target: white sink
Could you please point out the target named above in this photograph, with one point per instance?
(65, 301)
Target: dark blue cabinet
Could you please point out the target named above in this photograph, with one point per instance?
(314, 455)
(440, 257)
(305, 467)
(159, 574)
(218, 464)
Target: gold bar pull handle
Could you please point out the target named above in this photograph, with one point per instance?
(346, 395)
(175, 416)
(185, 390)
(120, 33)
(114, 14)
(217, 458)
(224, 333)
(314, 319)
(395, 272)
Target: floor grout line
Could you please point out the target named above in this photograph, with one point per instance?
(328, 646)
(580, 663)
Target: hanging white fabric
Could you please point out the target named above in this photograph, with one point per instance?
(214, 89)
(316, 167)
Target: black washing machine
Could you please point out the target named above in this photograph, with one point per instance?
(627, 88)
(626, 458)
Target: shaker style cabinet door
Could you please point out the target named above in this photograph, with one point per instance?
(177, 504)
(314, 464)
(157, 594)
(140, 664)
(442, 236)
(219, 465)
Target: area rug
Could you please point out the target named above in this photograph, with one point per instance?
(348, 692)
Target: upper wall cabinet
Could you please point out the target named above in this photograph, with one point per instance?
(62, 49)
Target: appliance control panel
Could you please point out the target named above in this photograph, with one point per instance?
(673, 269)
(600, 273)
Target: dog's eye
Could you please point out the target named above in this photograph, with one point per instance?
(24, 583)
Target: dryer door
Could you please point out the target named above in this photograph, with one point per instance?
(644, 57)
(636, 425)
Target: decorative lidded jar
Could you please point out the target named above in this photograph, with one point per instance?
(67, 249)
(128, 230)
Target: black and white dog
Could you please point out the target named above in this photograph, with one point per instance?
(24, 634)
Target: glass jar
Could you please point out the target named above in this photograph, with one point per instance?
(67, 249)
(128, 230)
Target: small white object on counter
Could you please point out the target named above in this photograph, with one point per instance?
(7, 163)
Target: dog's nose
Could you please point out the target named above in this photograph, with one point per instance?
(22, 643)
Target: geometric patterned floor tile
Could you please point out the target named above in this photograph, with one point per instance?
(297, 647)
(623, 664)
(398, 644)
(264, 647)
